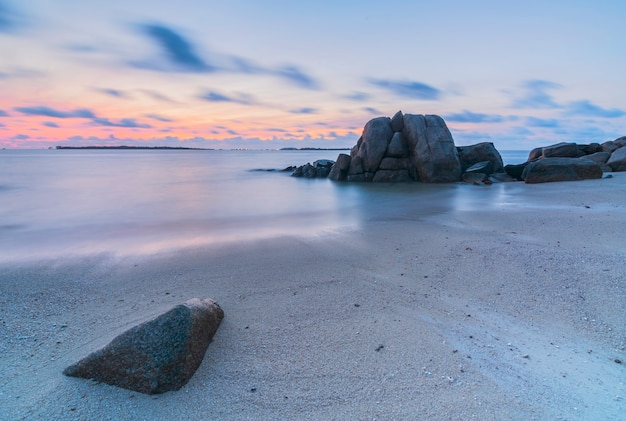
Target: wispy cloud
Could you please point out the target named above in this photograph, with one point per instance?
(408, 89)
(178, 50)
(45, 111)
(180, 55)
(304, 110)
(295, 76)
(112, 92)
(373, 110)
(471, 117)
(3, 113)
(535, 95)
(9, 19)
(213, 96)
(357, 96)
(542, 122)
(50, 124)
(125, 122)
(587, 108)
(159, 118)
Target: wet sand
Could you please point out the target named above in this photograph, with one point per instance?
(515, 312)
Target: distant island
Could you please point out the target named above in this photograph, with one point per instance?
(124, 147)
(314, 149)
(131, 147)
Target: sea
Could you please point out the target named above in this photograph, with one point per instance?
(57, 203)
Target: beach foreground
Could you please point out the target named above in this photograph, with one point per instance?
(511, 313)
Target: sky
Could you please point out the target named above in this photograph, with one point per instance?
(275, 73)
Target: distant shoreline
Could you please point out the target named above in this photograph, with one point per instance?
(131, 147)
(123, 147)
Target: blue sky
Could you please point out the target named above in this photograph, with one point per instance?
(273, 73)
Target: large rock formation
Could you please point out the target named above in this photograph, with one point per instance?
(403, 148)
(561, 169)
(617, 160)
(156, 356)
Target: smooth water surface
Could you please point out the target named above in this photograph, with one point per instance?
(63, 202)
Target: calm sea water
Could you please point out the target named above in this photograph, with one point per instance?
(64, 202)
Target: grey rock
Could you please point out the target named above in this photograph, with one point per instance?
(397, 122)
(609, 146)
(432, 148)
(394, 164)
(476, 178)
(534, 154)
(590, 148)
(398, 146)
(319, 169)
(561, 169)
(561, 150)
(339, 171)
(485, 167)
(617, 161)
(485, 151)
(391, 176)
(599, 157)
(376, 137)
(157, 356)
(516, 170)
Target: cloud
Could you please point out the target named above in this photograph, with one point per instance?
(542, 122)
(8, 18)
(181, 56)
(179, 51)
(535, 95)
(587, 108)
(213, 96)
(304, 110)
(159, 118)
(295, 76)
(471, 117)
(408, 89)
(112, 92)
(20, 73)
(51, 112)
(50, 124)
(125, 122)
(3, 113)
(373, 110)
(357, 96)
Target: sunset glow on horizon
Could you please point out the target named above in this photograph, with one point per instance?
(274, 74)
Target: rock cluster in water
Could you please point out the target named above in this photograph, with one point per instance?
(415, 147)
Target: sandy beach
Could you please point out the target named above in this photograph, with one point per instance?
(516, 313)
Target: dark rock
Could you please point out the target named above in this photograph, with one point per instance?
(515, 170)
(156, 356)
(599, 157)
(397, 122)
(376, 137)
(391, 176)
(590, 148)
(561, 169)
(561, 150)
(620, 141)
(398, 146)
(534, 154)
(320, 169)
(617, 161)
(339, 171)
(501, 177)
(394, 164)
(485, 167)
(476, 178)
(485, 151)
(609, 146)
(432, 149)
